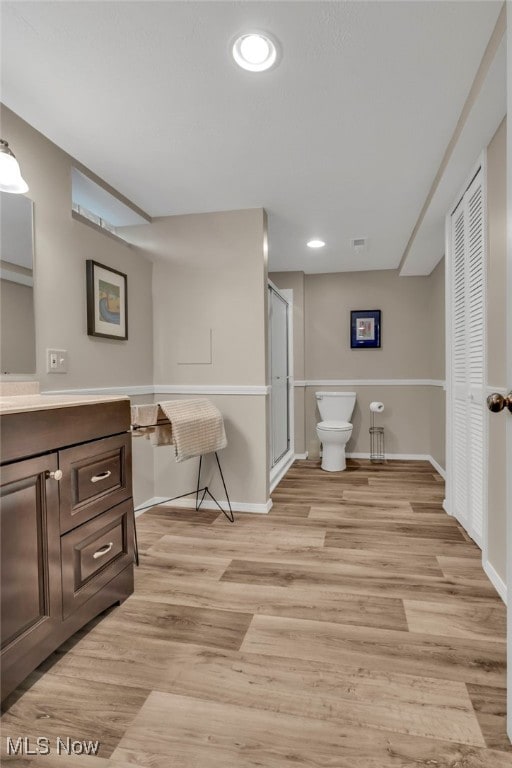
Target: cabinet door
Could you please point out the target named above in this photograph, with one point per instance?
(31, 600)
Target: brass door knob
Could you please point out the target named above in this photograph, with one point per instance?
(497, 402)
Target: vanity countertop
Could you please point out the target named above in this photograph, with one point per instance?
(21, 403)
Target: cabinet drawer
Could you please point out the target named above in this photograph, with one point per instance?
(96, 476)
(94, 553)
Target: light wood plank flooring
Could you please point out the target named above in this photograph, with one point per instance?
(352, 627)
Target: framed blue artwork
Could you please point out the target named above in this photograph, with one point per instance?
(365, 329)
(107, 301)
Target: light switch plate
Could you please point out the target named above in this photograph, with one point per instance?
(56, 361)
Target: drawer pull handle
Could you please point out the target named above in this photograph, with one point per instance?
(101, 476)
(104, 550)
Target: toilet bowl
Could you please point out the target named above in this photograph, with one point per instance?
(335, 429)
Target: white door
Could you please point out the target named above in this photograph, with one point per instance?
(508, 416)
(509, 366)
(279, 376)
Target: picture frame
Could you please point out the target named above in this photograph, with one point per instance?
(107, 301)
(365, 329)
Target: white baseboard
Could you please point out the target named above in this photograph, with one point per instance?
(140, 508)
(301, 456)
(237, 506)
(496, 580)
(404, 457)
(437, 467)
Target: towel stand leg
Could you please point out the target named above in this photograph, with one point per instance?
(135, 542)
(228, 513)
(198, 504)
(230, 517)
(198, 490)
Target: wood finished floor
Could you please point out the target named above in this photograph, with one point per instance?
(352, 627)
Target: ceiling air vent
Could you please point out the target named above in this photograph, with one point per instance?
(359, 243)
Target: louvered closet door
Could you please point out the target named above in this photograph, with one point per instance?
(467, 395)
(475, 259)
(460, 496)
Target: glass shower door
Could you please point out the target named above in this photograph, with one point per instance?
(279, 406)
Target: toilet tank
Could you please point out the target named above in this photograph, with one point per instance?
(335, 406)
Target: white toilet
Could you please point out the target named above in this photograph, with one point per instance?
(335, 429)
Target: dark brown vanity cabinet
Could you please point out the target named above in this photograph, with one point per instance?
(66, 529)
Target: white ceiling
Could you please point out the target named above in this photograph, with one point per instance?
(485, 116)
(341, 140)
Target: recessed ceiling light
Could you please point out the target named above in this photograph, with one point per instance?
(315, 243)
(254, 52)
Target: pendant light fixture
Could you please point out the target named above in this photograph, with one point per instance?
(11, 179)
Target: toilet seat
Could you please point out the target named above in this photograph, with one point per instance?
(338, 426)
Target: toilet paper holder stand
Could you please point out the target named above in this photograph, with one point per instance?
(377, 455)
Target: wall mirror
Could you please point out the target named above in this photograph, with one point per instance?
(17, 320)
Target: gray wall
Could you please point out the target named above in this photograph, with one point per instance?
(405, 419)
(210, 280)
(210, 277)
(62, 245)
(437, 412)
(210, 309)
(436, 321)
(406, 338)
(412, 348)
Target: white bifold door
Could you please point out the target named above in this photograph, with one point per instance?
(466, 360)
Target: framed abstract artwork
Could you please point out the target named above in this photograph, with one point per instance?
(107, 302)
(365, 329)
